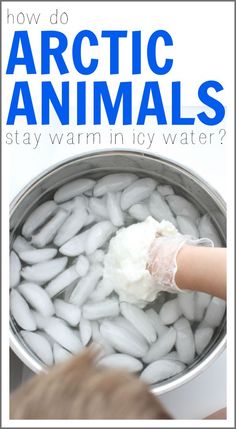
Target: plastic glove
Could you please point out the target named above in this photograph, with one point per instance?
(162, 263)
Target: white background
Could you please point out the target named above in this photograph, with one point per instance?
(202, 33)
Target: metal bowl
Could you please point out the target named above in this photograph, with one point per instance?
(96, 164)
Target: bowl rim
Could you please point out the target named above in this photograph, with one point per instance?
(180, 380)
(106, 152)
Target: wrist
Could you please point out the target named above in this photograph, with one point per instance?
(183, 276)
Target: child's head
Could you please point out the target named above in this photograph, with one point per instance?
(79, 389)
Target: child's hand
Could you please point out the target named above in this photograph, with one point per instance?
(162, 263)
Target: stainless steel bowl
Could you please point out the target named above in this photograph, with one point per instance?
(96, 164)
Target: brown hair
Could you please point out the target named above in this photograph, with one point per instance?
(79, 389)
